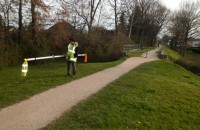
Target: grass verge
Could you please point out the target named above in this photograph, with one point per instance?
(173, 55)
(14, 88)
(156, 95)
(139, 52)
(192, 59)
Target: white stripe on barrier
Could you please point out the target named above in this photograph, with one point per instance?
(30, 59)
(59, 56)
(49, 57)
(81, 54)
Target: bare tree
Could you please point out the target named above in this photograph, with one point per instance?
(85, 9)
(20, 22)
(129, 6)
(36, 17)
(115, 6)
(158, 16)
(122, 26)
(139, 19)
(185, 23)
(146, 19)
(6, 9)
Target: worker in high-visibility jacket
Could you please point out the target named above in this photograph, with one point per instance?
(72, 54)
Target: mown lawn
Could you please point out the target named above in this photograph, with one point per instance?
(14, 88)
(155, 95)
(139, 52)
(192, 59)
(173, 55)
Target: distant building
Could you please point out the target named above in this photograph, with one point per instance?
(194, 43)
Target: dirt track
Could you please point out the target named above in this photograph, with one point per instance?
(43, 108)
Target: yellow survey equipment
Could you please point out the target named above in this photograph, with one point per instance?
(24, 68)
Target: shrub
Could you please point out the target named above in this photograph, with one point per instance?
(10, 54)
(196, 50)
(104, 46)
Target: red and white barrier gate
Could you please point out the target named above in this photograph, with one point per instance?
(25, 64)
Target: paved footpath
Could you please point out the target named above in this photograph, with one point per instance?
(41, 109)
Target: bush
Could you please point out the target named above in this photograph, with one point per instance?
(10, 54)
(100, 44)
(103, 46)
(117, 45)
(196, 50)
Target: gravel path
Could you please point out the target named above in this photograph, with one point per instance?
(43, 108)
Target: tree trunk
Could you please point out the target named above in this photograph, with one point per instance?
(5, 29)
(20, 23)
(6, 26)
(116, 29)
(131, 26)
(33, 23)
(185, 43)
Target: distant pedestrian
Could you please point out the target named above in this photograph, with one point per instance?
(72, 54)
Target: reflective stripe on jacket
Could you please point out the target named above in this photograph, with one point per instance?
(71, 52)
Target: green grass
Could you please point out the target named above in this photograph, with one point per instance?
(173, 55)
(192, 59)
(14, 88)
(155, 95)
(138, 53)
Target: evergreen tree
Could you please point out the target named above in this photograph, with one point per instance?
(122, 27)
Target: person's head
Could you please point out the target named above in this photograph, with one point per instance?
(72, 40)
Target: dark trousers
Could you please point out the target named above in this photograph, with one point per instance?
(69, 64)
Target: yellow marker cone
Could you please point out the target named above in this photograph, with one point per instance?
(24, 68)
